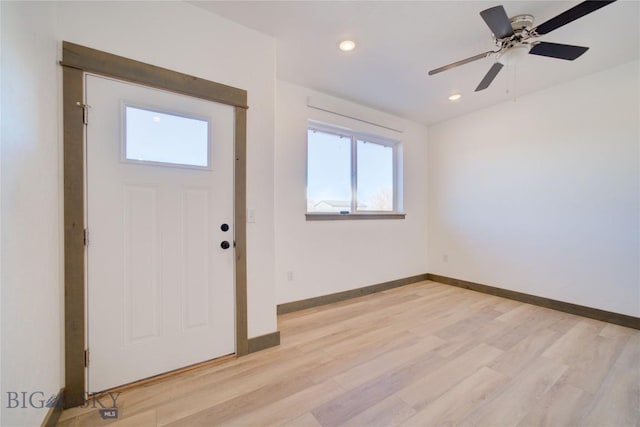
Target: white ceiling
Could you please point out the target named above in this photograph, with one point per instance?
(399, 41)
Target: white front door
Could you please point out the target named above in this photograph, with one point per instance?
(160, 285)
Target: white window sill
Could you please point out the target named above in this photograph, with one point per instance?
(315, 216)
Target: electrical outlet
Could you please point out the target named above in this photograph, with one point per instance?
(445, 258)
(290, 276)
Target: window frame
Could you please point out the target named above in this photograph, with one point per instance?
(354, 137)
(123, 137)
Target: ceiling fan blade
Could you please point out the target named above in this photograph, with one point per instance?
(488, 78)
(462, 62)
(498, 21)
(556, 50)
(570, 15)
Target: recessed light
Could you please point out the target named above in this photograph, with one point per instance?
(347, 45)
(455, 97)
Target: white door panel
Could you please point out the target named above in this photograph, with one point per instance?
(160, 288)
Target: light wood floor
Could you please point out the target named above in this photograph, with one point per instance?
(421, 355)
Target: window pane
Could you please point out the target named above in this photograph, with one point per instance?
(375, 177)
(328, 172)
(153, 136)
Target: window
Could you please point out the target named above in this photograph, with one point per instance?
(158, 137)
(350, 172)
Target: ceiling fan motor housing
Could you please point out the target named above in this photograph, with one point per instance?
(520, 22)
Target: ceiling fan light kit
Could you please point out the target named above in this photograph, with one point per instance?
(513, 55)
(516, 37)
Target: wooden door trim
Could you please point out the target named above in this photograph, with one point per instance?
(106, 64)
(76, 61)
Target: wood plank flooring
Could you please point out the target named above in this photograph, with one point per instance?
(426, 354)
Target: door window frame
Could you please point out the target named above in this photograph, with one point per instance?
(77, 61)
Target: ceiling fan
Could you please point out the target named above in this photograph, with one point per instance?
(517, 36)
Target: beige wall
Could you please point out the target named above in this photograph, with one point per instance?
(333, 256)
(542, 194)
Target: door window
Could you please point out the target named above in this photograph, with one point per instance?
(152, 136)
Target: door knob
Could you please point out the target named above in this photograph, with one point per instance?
(224, 227)
(225, 245)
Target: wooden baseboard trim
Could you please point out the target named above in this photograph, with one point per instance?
(54, 412)
(580, 310)
(353, 293)
(264, 341)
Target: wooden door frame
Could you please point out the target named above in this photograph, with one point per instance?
(76, 61)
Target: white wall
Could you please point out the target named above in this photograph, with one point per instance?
(1, 62)
(31, 285)
(332, 256)
(176, 35)
(541, 195)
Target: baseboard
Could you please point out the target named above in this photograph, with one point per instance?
(353, 293)
(264, 341)
(580, 310)
(54, 412)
